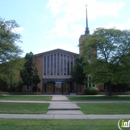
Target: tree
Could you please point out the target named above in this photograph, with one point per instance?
(9, 51)
(77, 72)
(36, 78)
(107, 56)
(29, 74)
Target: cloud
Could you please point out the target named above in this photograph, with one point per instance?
(101, 9)
(122, 26)
(17, 29)
(70, 14)
(49, 37)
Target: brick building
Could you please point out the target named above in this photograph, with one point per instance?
(54, 69)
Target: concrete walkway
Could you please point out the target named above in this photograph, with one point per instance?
(61, 108)
(44, 116)
(59, 98)
(68, 101)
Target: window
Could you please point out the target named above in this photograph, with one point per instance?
(64, 64)
(68, 67)
(51, 64)
(61, 64)
(71, 61)
(54, 64)
(90, 84)
(58, 57)
(45, 65)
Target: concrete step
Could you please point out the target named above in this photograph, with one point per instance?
(62, 106)
(59, 98)
(64, 112)
(72, 93)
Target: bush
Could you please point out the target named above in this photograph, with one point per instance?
(16, 87)
(128, 88)
(91, 91)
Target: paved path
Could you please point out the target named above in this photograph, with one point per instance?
(59, 98)
(45, 116)
(61, 108)
(66, 101)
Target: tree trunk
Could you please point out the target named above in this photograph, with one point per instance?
(9, 81)
(109, 86)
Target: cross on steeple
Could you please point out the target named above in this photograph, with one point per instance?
(87, 29)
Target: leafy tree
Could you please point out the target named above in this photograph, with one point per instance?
(107, 56)
(29, 74)
(36, 78)
(77, 72)
(9, 51)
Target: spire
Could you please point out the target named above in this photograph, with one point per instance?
(87, 29)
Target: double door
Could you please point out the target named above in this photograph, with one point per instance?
(58, 87)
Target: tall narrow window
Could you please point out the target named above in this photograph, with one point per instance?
(51, 64)
(68, 67)
(54, 64)
(65, 65)
(45, 65)
(71, 61)
(61, 64)
(58, 64)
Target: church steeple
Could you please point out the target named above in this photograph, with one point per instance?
(84, 36)
(87, 29)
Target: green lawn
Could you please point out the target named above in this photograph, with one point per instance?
(25, 97)
(85, 97)
(105, 108)
(23, 108)
(30, 124)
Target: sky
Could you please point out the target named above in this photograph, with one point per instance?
(50, 24)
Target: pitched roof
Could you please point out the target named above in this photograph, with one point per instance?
(55, 50)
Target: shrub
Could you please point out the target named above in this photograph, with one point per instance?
(91, 91)
(16, 87)
(128, 88)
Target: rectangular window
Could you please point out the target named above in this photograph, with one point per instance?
(44, 65)
(58, 64)
(68, 67)
(54, 64)
(51, 64)
(71, 61)
(61, 64)
(47, 65)
(64, 64)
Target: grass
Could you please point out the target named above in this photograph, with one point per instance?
(85, 97)
(30, 124)
(25, 97)
(107, 108)
(23, 108)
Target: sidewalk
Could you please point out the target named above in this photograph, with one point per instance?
(61, 108)
(68, 101)
(42, 116)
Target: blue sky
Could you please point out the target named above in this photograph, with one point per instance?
(52, 24)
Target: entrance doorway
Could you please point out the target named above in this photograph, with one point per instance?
(58, 87)
(66, 87)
